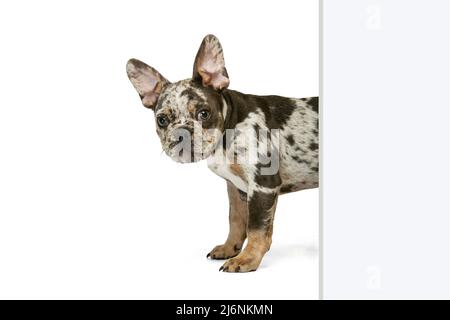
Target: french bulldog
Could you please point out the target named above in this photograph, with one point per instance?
(200, 118)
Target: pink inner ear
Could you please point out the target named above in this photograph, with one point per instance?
(149, 100)
(144, 78)
(214, 79)
(145, 81)
(218, 81)
(211, 64)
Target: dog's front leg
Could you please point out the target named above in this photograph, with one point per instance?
(261, 209)
(238, 224)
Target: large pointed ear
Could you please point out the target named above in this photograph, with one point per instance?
(209, 65)
(147, 81)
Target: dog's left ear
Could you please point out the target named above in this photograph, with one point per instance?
(148, 82)
(209, 65)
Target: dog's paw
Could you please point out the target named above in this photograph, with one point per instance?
(242, 263)
(224, 251)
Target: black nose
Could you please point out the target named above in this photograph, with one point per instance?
(180, 138)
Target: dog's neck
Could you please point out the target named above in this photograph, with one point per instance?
(236, 110)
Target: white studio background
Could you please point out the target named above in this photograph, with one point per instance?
(386, 213)
(89, 206)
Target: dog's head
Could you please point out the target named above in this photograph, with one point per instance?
(190, 113)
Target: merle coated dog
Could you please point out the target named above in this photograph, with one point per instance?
(200, 118)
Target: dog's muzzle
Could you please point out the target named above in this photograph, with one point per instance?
(181, 137)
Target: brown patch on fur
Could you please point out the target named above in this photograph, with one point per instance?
(237, 171)
(238, 225)
(191, 107)
(250, 258)
(259, 242)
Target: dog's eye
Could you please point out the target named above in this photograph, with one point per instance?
(162, 120)
(203, 115)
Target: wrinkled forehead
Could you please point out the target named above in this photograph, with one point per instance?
(178, 96)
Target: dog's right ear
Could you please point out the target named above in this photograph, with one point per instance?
(148, 82)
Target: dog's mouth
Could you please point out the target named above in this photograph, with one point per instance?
(184, 146)
(182, 152)
(190, 154)
(183, 156)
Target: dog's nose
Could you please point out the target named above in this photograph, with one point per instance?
(180, 134)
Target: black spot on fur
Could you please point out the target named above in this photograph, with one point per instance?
(315, 169)
(297, 159)
(256, 129)
(287, 188)
(290, 139)
(313, 146)
(277, 110)
(268, 181)
(282, 113)
(314, 103)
